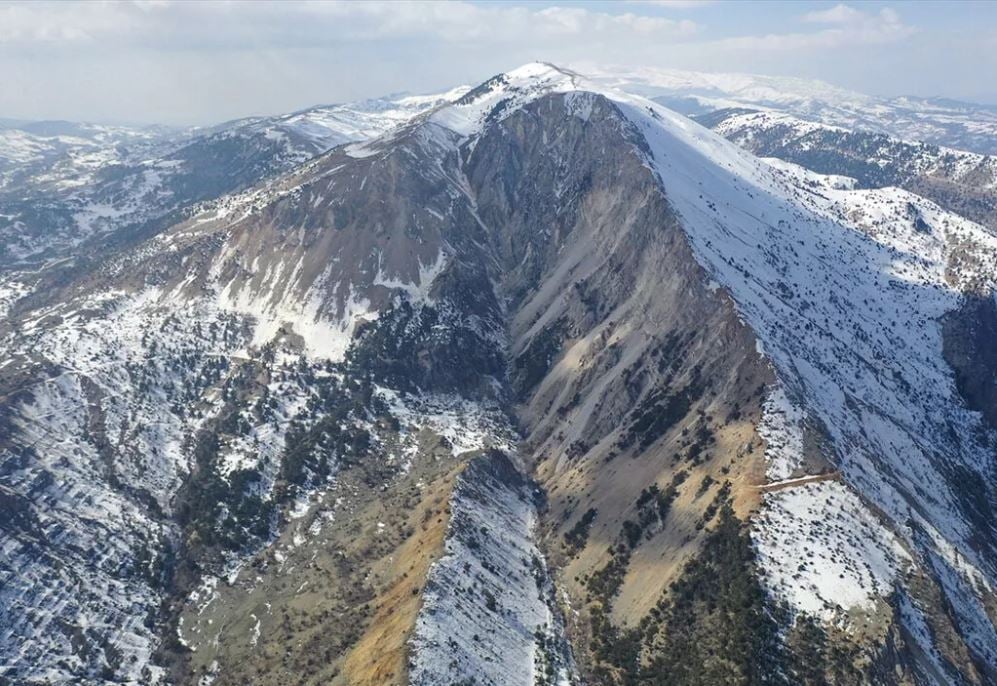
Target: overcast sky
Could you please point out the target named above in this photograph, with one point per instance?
(205, 62)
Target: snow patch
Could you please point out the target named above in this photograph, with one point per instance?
(821, 550)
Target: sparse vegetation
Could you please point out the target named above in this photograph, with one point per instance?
(713, 626)
(577, 536)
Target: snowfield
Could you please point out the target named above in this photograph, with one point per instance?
(489, 615)
(824, 551)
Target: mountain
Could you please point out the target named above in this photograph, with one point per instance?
(962, 182)
(64, 188)
(938, 121)
(49, 152)
(548, 385)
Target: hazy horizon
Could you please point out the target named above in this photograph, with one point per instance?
(200, 64)
(374, 96)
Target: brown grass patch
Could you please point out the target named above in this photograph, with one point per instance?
(379, 658)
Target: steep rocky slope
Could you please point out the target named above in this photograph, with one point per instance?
(549, 385)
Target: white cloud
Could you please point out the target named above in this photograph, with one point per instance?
(157, 60)
(839, 14)
(847, 26)
(578, 21)
(182, 25)
(675, 4)
(47, 24)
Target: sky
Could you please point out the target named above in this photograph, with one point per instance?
(181, 63)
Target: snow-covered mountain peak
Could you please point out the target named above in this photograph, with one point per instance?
(503, 95)
(302, 392)
(509, 90)
(854, 268)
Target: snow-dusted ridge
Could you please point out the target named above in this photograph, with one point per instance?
(854, 272)
(61, 191)
(489, 613)
(845, 290)
(965, 126)
(957, 163)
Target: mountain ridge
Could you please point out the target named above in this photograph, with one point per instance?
(965, 126)
(570, 251)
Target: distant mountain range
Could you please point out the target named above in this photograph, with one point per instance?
(939, 121)
(63, 184)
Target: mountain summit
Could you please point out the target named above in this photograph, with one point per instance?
(549, 384)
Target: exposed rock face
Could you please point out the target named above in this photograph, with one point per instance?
(500, 395)
(621, 386)
(969, 336)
